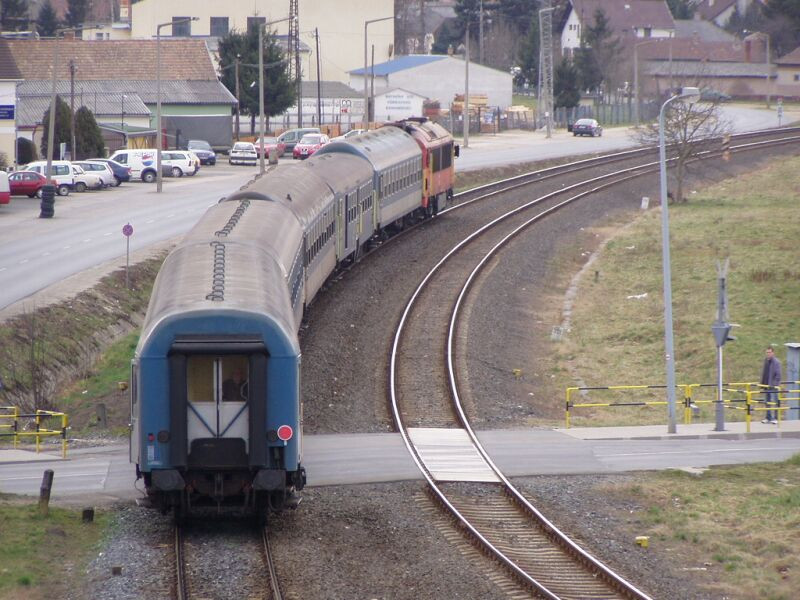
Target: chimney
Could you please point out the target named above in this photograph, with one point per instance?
(747, 51)
(125, 11)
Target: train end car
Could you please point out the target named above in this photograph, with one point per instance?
(215, 400)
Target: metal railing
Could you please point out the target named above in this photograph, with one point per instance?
(12, 425)
(748, 397)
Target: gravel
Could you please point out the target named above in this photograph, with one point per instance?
(386, 540)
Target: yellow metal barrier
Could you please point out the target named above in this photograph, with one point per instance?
(743, 396)
(40, 418)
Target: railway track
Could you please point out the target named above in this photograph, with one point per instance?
(427, 407)
(198, 573)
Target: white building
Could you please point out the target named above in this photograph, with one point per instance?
(437, 77)
(395, 104)
(340, 24)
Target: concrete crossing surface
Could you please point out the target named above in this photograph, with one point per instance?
(104, 473)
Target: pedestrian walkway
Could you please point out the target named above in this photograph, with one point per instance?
(695, 431)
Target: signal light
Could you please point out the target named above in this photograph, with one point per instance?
(285, 433)
(150, 437)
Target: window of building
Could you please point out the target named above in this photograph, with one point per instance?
(648, 32)
(183, 29)
(218, 26)
(797, 76)
(255, 22)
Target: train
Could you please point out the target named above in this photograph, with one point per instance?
(216, 413)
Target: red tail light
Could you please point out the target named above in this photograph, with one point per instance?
(285, 433)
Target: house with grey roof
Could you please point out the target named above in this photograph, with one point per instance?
(437, 77)
(787, 82)
(118, 79)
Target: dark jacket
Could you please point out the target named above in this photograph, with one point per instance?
(771, 373)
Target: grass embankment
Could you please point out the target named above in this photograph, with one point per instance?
(733, 530)
(44, 557)
(617, 333)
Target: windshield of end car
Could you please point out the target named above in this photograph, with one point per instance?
(311, 139)
(199, 145)
(243, 146)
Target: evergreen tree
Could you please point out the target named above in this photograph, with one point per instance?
(15, 15)
(521, 13)
(279, 92)
(565, 85)
(26, 151)
(61, 133)
(76, 12)
(529, 53)
(681, 9)
(89, 141)
(599, 54)
(47, 21)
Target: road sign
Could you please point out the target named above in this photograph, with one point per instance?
(127, 230)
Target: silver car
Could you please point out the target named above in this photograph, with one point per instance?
(102, 170)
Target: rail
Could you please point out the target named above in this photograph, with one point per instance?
(11, 426)
(748, 397)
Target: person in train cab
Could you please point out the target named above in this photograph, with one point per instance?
(234, 389)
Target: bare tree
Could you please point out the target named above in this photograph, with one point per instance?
(689, 130)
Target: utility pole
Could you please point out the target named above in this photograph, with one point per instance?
(480, 34)
(465, 109)
(238, 103)
(319, 82)
(73, 155)
(294, 56)
(372, 84)
(545, 100)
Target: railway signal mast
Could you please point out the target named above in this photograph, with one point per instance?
(545, 100)
(293, 52)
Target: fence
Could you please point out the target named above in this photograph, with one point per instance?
(12, 425)
(747, 397)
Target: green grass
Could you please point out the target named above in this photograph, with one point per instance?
(739, 522)
(39, 555)
(520, 100)
(753, 220)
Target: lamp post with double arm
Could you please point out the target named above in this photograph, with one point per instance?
(690, 95)
(159, 135)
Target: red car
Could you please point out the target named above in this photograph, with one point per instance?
(26, 183)
(267, 144)
(308, 144)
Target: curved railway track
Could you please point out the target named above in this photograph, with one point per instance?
(196, 578)
(424, 391)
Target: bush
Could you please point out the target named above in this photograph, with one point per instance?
(26, 151)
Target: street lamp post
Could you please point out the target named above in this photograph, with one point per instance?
(692, 95)
(49, 189)
(261, 29)
(366, 90)
(159, 138)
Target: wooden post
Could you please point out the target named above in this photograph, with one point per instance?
(102, 418)
(87, 516)
(44, 492)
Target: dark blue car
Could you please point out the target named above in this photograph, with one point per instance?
(121, 172)
(203, 151)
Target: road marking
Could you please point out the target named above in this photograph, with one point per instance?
(151, 221)
(106, 234)
(2, 269)
(66, 247)
(170, 216)
(46, 254)
(87, 240)
(684, 452)
(23, 261)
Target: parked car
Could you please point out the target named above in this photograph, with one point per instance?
(141, 161)
(121, 172)
(102, 170)
(587, 127)
(5, 188)
(61, 174)
(293, 136)
(182, 162)
(310, 143)
(267, 144)
(349, 134)
(243, 153)
(26, 183)
(709, 95)
(203, 150)
(85, 181)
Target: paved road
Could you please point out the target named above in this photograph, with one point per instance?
(105, 474)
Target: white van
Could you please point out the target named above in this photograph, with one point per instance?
(61, 174)
(142, 162)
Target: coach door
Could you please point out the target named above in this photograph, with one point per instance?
(217, 398)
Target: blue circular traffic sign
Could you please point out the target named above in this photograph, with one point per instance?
(127, 230)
